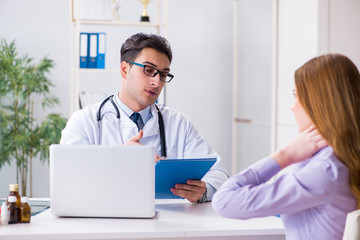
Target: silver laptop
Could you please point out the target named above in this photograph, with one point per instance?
(102, 181)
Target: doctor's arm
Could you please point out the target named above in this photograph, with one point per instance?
(76, 131)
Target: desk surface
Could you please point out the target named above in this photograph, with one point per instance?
(175, 219)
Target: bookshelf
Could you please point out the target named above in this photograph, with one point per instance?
(113, 28)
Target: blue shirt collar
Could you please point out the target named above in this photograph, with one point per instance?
(145, 113)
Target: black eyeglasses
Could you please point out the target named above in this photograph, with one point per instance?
(152, 72)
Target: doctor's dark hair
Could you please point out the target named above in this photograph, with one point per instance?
(328, 88)
(137, 42)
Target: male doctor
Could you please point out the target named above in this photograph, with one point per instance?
(145, 68)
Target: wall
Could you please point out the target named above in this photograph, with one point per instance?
(200, 33)
(344, 28)
(306, 29)
(297, 43)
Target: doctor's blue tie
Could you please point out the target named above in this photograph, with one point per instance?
(135, 118)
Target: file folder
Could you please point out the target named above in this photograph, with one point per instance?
(101, 46)
(84, 50)
(93, 49)
(169, 172)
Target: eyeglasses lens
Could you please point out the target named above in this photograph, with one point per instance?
(152, 72)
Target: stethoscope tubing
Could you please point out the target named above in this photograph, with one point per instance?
(161, 123)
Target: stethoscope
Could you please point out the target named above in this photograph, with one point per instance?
(161, 123)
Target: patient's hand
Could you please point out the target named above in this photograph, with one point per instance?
(192, 191)
(302, 147)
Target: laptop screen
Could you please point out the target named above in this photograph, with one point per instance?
(102, 181)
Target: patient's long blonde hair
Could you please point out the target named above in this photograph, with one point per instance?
(328, 88)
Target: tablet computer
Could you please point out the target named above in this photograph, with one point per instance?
(169, 172)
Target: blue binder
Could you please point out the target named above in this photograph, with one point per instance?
(84, 52)
(96, 50)
(93, 49)
(101, 50)
(172, 171)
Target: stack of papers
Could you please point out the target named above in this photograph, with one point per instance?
(88, 97)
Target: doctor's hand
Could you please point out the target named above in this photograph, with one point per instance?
(301, 148)
(192, 191)
(157, 158)
(135, 140)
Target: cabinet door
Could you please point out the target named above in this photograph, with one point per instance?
(297, 42)
(252, 74)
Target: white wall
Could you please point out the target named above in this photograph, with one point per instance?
(297, 43)
(344, 28)
(306, 29)
(200, 33)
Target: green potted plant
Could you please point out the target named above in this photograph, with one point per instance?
(23, 137)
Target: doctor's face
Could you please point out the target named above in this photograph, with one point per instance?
(137, 89)
(303, 121)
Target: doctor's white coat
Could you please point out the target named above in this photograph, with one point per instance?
(182, 139)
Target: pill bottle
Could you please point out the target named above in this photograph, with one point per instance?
(14, 211)
(4, 219)
(25, 210)
(14, 191)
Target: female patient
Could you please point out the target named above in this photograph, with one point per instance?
(322, 182)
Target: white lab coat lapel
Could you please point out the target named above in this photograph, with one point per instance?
(111, 134)
(151, 127)
(113, 131)
(151, 130)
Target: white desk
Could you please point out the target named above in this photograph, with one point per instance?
(175, 219)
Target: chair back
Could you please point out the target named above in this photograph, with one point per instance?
(352, 226)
